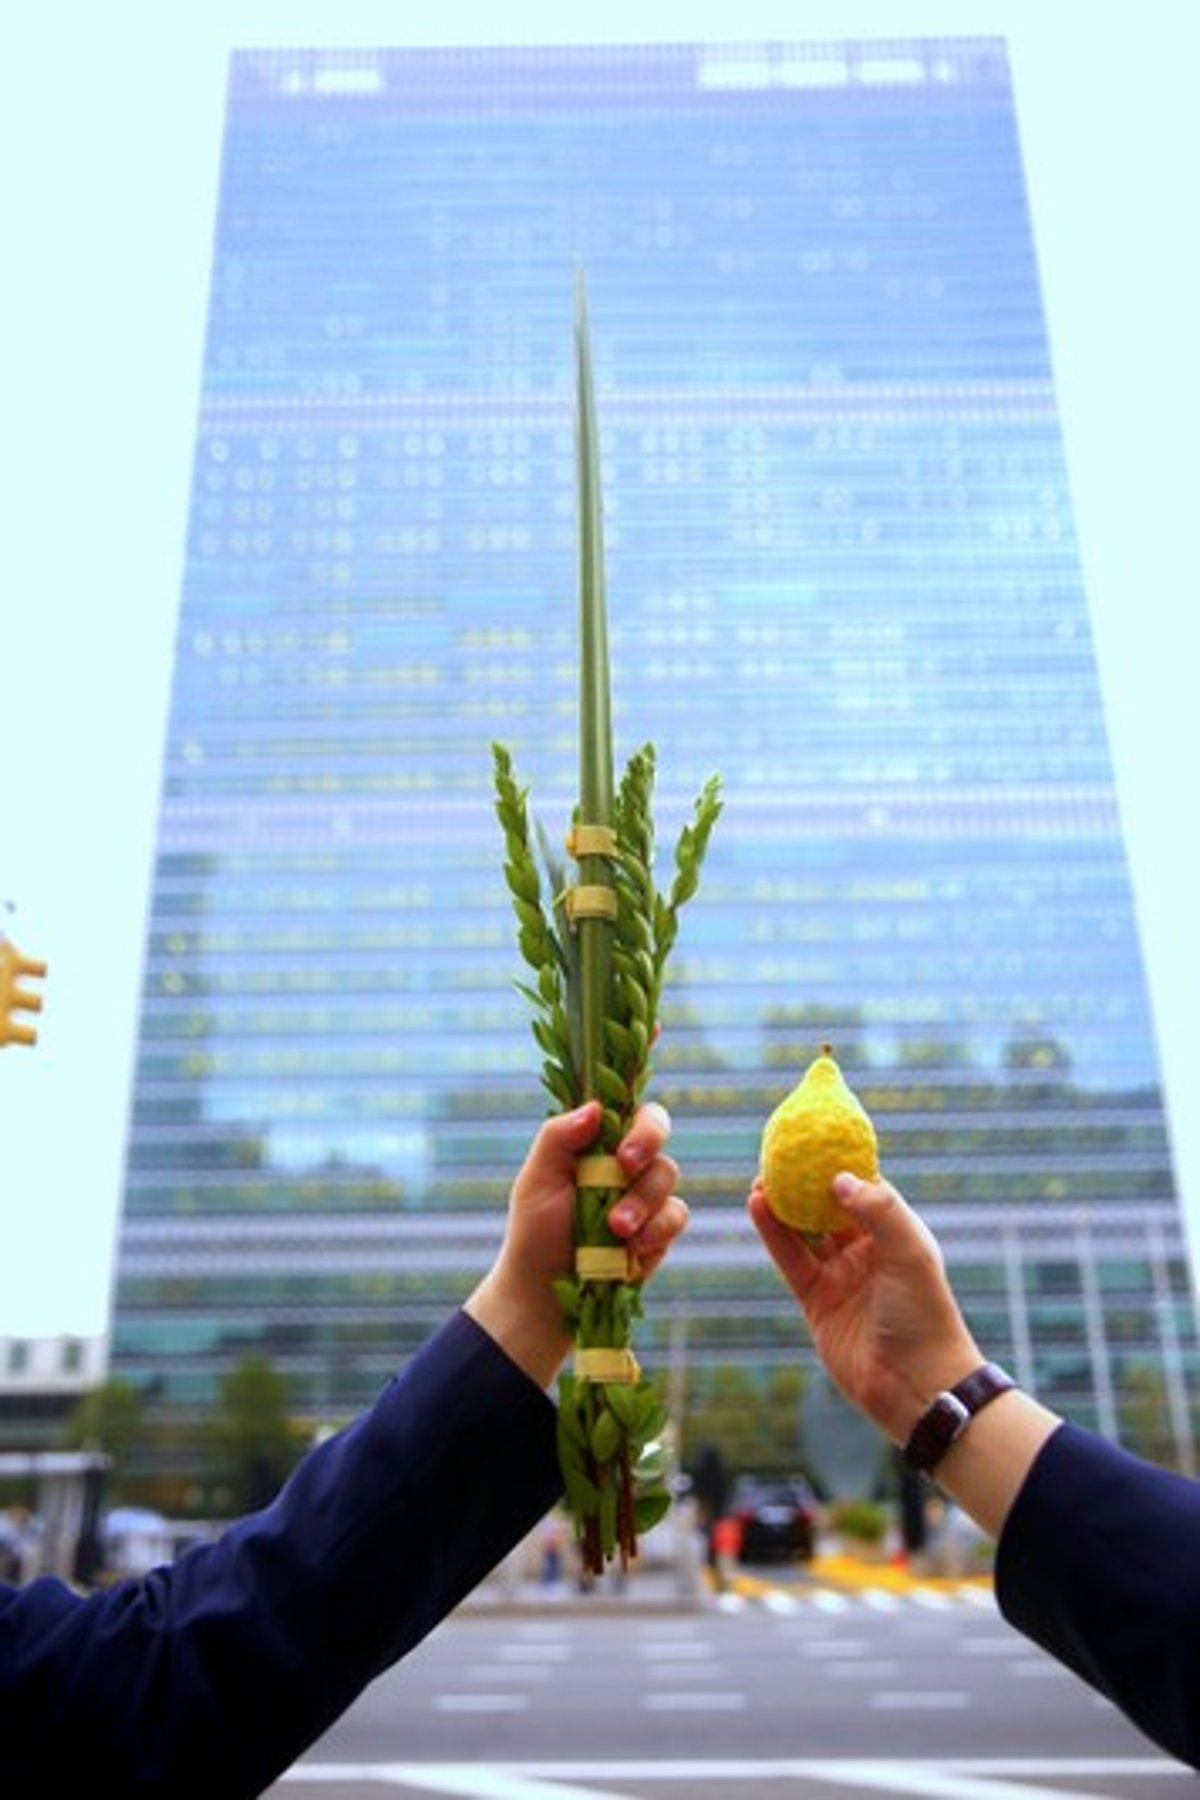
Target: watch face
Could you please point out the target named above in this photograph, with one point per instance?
(935, 1431)
(951, 1413)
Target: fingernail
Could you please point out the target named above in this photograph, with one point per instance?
(846, 1185)
(625, 1219)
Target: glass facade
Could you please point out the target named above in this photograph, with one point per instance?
(842, 572)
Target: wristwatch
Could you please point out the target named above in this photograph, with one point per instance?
(944, 1422)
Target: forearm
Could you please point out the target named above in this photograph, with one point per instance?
(1097, 1562)
(215, 1672)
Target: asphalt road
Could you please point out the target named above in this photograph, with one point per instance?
(816, 1695)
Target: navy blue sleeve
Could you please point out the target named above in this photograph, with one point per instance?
(1099, 1563)
(213, 1673)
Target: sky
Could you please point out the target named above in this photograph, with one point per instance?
(111, 139)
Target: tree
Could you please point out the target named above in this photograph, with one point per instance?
(1145, 1417)
(750, 1420)
(254, 1441)
(108, 1418)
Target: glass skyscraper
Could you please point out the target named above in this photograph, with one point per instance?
(842, 572)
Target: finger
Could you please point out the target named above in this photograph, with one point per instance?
(656, 1236)
(878, 1208)
(645, 1138)
(559, 1141)
(652, 1189)
(793, 1255)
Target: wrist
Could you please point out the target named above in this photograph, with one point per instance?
(950, 1413)
(939, 1374)
(528, 1326)
(986, 1467)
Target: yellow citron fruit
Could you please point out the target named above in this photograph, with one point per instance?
(821, 1128)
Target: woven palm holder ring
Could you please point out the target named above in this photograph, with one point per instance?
(599, 1363)
(600, 1172)
(591, 840)
(603, 1262)
(591, 901)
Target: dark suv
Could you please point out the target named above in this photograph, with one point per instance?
(778, 1519)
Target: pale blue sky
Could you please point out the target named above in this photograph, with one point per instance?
(111, 141)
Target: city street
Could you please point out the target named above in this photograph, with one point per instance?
(794, 1690)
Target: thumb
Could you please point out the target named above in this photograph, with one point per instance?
(559, 1141)
(882, 1212)
(871, 1204)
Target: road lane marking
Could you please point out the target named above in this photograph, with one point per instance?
(475, 1781)
(688, 1672)
(708, 1703)
(937, 1784)
(931, 1778)
(991, 1646)
(932, 1700)
(480, 1703)
(512, 1672)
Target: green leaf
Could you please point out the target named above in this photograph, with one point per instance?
(608, 1517)
(652, 1419)
(606, 1436)
(595, 707)
(583, 1496)
(650, 1508)
(566, 1292)
(558, 1085)
(625, 1401)
(610, 1086)
(651, 1468)
(522, 878)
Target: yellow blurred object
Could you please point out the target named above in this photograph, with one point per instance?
(821, 1128)
(17, 999)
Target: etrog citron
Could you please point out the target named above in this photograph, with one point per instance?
(820, 1128)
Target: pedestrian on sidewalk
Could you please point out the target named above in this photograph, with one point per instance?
(727, 1549)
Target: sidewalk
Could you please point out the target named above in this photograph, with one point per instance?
(664, 1588)
(644, 1590)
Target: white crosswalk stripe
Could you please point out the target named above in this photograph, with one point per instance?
(793, 1601)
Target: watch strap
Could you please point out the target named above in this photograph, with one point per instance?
(944, 1422)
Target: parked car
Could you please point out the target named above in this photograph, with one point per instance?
(777, 1519)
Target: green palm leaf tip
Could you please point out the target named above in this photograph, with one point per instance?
(594, 992)
(595, 706)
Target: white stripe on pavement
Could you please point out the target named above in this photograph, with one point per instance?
(932, 1700)
(480, 1703)
(935, 1778)
(706, 1702)
(939, 1784)
(468, 1781)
